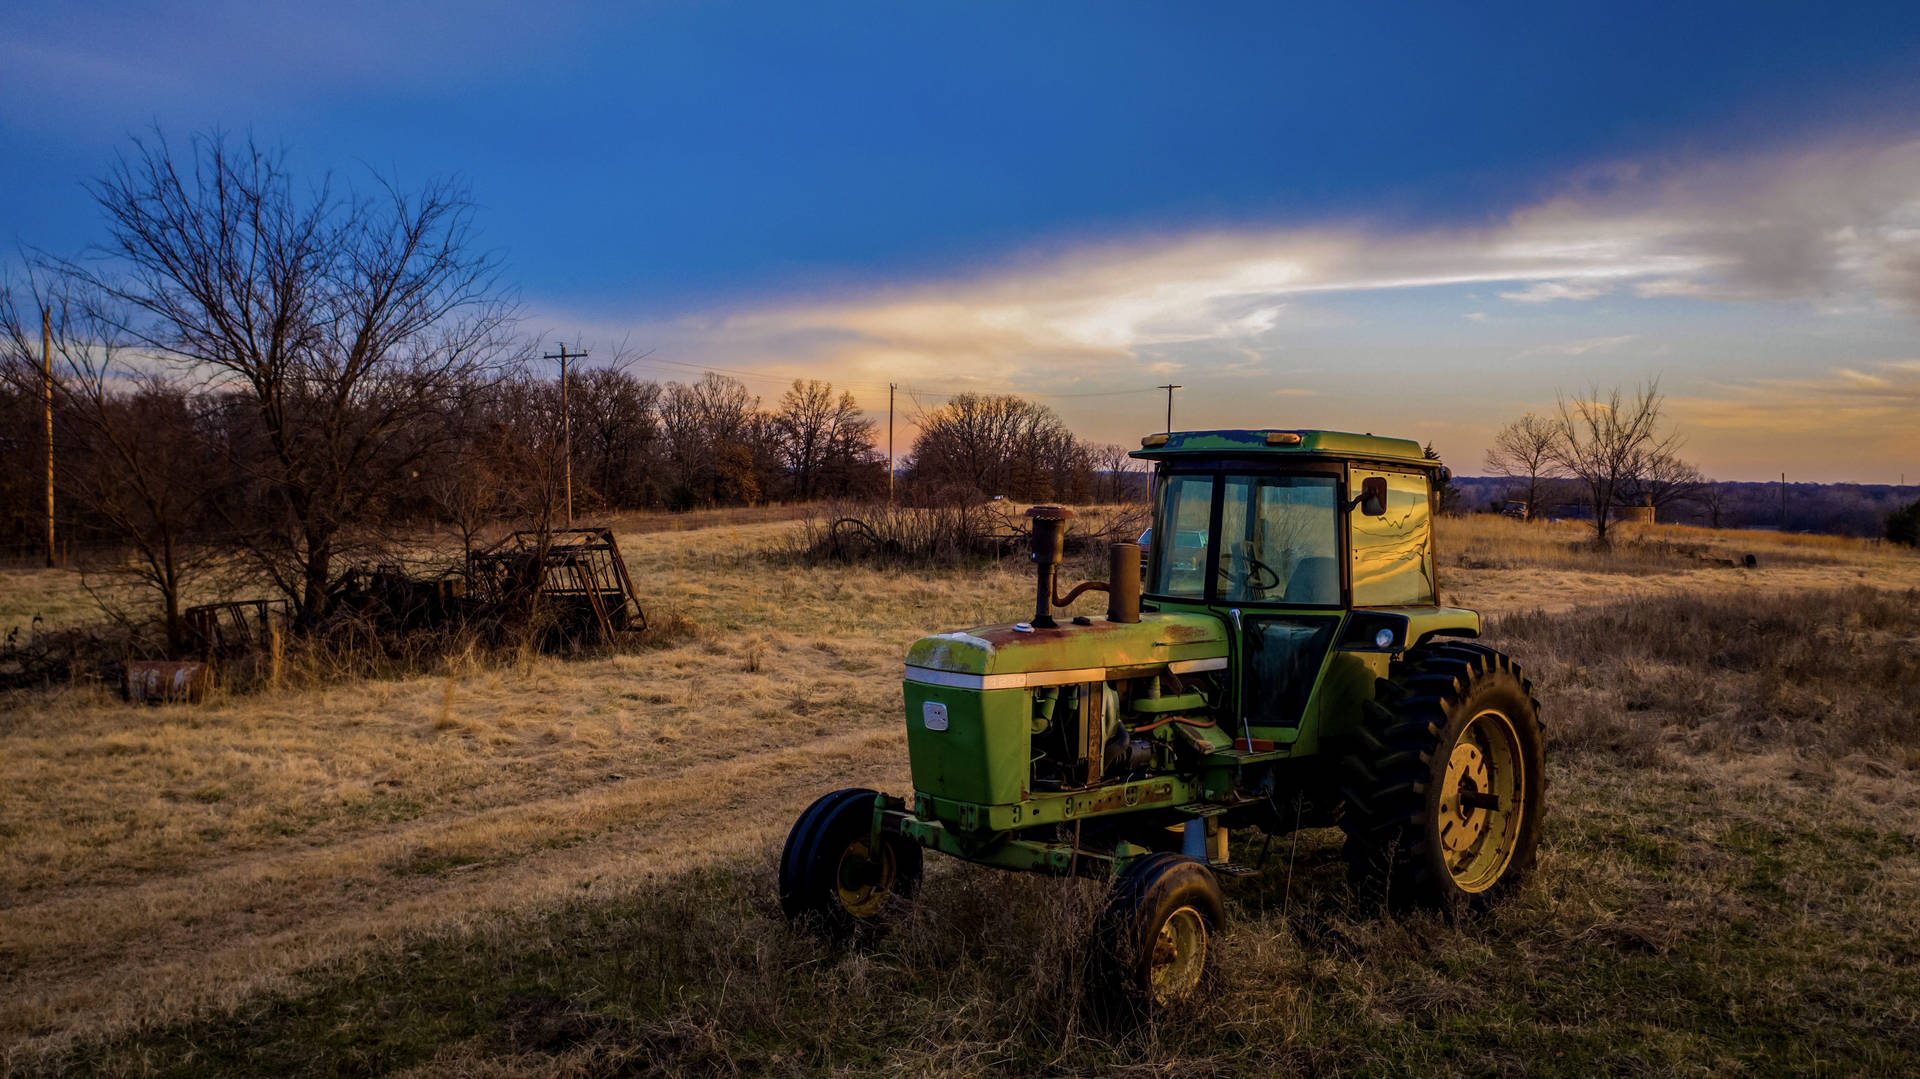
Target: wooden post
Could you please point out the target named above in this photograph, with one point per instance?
(566, 421)
(46, 390)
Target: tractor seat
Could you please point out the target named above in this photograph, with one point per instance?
(1314, 580)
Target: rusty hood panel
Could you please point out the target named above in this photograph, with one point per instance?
(1002, 649)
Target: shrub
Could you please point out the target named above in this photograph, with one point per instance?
(945, 535)
(1903, 526)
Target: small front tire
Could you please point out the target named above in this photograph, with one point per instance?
(1159, 933)
(831, 877)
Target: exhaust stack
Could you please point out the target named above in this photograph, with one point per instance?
(1123, 582)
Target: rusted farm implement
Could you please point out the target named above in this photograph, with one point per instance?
(574, 578)
(570, 586)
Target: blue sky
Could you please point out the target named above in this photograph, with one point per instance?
(1418, 218)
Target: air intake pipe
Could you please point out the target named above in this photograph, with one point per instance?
(1122, 585)
(1049, 548)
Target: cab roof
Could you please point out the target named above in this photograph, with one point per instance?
(1281, 443)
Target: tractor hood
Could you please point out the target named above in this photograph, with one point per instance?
(1004, 657)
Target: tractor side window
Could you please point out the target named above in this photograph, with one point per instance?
(1180, 537)
(1393, 553)
(1279, 540)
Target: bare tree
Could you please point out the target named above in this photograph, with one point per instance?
(350, 321)
(817, 434)
(615, 434)
(987, 444)
(714, 431)
(1661, 481)
(1523, 454)
(1712, 502)
(137, 453)
(1115, 471)
(1605, 442)
(521, 443)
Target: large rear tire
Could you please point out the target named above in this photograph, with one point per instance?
(1157, 939)
(833, 880)
(1445, 795)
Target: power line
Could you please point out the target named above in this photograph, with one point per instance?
(1170, 387)
(566, 420)
(919, 392)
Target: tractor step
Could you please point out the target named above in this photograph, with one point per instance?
(1254, 752)
(1231, 869)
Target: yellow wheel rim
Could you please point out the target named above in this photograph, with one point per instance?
(862, 882)
(1482, 801)
(1179, 956)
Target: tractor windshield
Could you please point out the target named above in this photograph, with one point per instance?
(1278, 541)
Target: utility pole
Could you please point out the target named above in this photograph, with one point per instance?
(1783, 501)
(46, 392)
(566, 421)
(889, 443)
(1169, 388)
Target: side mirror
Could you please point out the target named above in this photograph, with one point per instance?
(1373, 496)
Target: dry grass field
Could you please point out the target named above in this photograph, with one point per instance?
(565, 866)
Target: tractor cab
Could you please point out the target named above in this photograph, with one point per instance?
(1301, 541)
(1290, 519)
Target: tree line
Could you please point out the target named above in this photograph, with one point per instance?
(278, 380)
(1599, 455)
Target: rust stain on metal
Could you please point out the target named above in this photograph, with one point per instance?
(232, 629)
(1124, 797)
(166, 681)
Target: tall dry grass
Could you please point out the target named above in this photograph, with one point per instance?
(562, 867)
(1490, 541)
(1827, 675)
(1710, 899)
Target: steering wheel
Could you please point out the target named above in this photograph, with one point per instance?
(1255, 568)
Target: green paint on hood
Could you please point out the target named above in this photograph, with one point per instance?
(1002, 649)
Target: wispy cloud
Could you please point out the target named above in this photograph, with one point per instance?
(1845, 422)
(1579, 347)
(1815, 226)
(1817, 229)
(1892, 382)
(1545, 291)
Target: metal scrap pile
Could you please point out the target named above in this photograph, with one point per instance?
(569, 588)
(573, 581)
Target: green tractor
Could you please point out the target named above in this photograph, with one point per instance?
(1287, 665)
